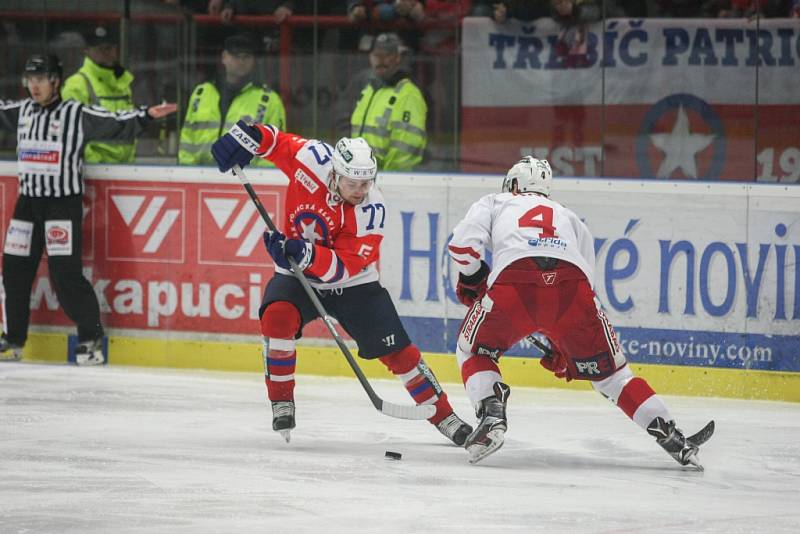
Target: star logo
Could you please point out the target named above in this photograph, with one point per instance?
(312, 228)
(309, 232)
(684, 137)
(680, 147)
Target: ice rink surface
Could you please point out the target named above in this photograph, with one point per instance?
(101, 450)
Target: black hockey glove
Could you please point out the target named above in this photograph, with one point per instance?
(473, 287)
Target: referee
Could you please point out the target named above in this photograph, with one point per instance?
(51, 136)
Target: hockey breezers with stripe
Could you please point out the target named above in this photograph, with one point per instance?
(414, 412)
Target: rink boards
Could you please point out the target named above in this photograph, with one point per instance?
(700, 279)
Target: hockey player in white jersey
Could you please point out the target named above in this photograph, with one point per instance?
(541, 281)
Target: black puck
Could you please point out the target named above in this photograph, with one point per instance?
(391, 455)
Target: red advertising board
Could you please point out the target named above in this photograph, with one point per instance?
(167, 256)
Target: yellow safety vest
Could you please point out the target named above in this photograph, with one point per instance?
(98, 86)
(392, 120)
(204, 124)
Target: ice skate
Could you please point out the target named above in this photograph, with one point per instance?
(492, 425)
(454, 429)
(283, 418)
(672, 440)
(90, 352)
(9, 352)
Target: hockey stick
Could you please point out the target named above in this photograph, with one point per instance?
(541, 346)
(399, 411)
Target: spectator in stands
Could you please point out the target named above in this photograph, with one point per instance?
(391, 112)
(215, 106)
(226, 9)
(443, 40)
(572, 17)
(102, 81)
(385, 10)
(409, 12)
(524, 10)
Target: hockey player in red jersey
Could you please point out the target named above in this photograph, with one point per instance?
(333, 225)
(541, 281)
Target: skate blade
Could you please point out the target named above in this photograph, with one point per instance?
(286, 434)
(694, 462)
(478, 452)
(90, 361)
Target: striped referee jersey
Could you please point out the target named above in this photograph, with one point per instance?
(51, 141)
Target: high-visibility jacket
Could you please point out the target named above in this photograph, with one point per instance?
(392, 120)
(204, 123)
(99, 86)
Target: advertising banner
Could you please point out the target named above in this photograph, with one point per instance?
(166, 255)
(688, 273)
(652, 98)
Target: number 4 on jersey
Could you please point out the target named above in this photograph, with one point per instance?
(539, 217)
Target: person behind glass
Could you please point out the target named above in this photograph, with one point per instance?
(102, 81)
(227, 9)
(747, 9)
(572, 18)
(391, 112)
(215, 106)
(334, 226)
(52, 134)
(403, 13)
(502, 11)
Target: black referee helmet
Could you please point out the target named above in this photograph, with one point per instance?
(44, 64)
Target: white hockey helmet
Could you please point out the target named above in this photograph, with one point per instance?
(353, 158)
(529, 175)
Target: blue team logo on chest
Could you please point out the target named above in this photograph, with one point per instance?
(311, 227)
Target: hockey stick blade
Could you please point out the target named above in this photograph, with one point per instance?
(703, 435)
(405, 411)
(414, 412)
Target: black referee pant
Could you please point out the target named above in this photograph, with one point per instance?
(74, 291)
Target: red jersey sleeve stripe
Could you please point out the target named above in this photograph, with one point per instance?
(464, 250)
(340, 270)
(269, 138)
